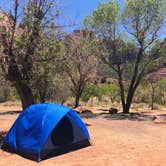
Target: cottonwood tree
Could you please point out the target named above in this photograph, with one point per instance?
(80, 61)
(21, 33)
(141, 21)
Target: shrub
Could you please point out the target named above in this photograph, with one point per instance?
(110, 90)
(161, 91)
(90, 90)
(4, 94)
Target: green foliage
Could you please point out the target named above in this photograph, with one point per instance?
(4, 94)
(8, 93)
(162, 84)
(143, 19)
(13, 94)
(161, 91)
(60, 92)
(144, 92)
(90, 90)
(4, 88)
(104, 18)
(111, 90)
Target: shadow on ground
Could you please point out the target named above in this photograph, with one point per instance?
(10, 112)
(130, 116)
(121, 116)
(2, 136)
(162, 115)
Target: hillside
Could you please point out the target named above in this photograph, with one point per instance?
(160, 73)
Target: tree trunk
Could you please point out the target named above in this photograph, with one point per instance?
(121, 87)
(79, 92)
(42, 99)
(77, 100)
(42, 95)
(25, 93)
(153, 96)
(129, 100)
(125, 109)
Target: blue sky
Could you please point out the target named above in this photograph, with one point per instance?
(74, 11)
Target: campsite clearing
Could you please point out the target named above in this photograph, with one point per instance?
(114, 143)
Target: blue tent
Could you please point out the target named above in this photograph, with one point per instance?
(43, 130)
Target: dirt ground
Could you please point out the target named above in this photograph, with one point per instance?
(125, 142)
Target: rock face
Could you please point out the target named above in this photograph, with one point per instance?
(113, 110)
(157, 75)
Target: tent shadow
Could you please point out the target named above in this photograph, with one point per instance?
(67, 149)
(61, 151)
(2, 136)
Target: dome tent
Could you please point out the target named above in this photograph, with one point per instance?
(46, 129)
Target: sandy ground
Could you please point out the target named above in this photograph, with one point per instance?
(115, 143)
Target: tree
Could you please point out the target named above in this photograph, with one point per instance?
(154, 76)
(20, 39)
(5, 88)
(152, 81)
(141, 20)
(46, 67)
(80, 61)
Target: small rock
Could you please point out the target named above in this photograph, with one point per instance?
(113, 110)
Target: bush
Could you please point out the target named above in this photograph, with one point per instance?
(110, 90)
(8, 93)
(60, 91)
(4, 94)
(161, 91)
(90, 90)
(14, 94)
(144, 92)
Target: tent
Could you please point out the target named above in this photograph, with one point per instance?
(44, 130)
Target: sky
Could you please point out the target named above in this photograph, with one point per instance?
(74, 11)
